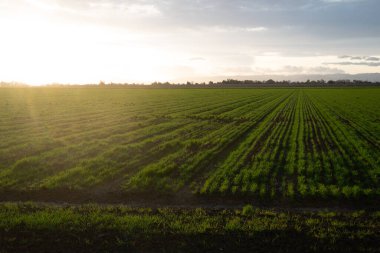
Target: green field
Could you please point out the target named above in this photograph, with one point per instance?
(182, 163)
(254, 143)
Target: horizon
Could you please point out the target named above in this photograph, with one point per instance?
(70, 42)
(373, 78)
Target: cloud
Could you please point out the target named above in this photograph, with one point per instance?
(353, 58)
(143, 10)
(127, 8)
(357, 58)
(370, 61)
(234, 29)
(231, 35)
(347, 63)
(197, 59)
(293, 69)
(255, 29)
(371, 58)
(46, 6)
(341, 1)
(133, 7)
(324, 70)
(318, 70)
(300, 70)
(238, 70)
(109, 8)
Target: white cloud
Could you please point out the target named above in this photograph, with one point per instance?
(97, 8)
(143, 10)
(255, 29)
(234, 29)
(197, 59)
(44, 5)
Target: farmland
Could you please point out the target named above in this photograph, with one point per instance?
(259, 144)
(198, 170)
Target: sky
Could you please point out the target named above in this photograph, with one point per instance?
(85, 41)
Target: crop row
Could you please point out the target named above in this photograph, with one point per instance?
(262, 143)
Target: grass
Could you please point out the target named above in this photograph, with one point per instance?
(94, 228)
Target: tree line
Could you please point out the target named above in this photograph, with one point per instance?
(233, 83)
(228, 83)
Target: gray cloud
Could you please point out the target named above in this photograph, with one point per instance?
(371, 58)
(300, 70)
(357, 58)
(325, 70)
(313, 70)
(347, 63)
(364, 58)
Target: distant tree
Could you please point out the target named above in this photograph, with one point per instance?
(102, 83)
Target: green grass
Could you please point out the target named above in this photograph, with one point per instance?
(269, 144)
(92, 228)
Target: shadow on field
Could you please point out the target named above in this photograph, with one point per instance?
(23, 240)
(156, 200)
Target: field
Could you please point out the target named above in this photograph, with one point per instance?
(179, 167)
(261, 144)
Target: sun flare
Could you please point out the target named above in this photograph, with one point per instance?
(40, 50)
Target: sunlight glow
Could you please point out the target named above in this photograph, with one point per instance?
(38, 50)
